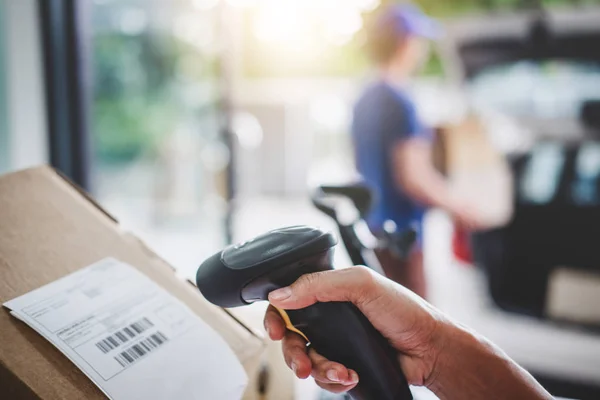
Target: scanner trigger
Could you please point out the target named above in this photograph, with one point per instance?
(290, 326)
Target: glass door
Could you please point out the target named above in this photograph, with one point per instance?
(160, 164)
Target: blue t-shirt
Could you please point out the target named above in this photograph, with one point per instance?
(383, 116)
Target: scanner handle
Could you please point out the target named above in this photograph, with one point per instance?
(341, 333)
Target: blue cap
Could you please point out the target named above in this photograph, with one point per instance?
(409, 20)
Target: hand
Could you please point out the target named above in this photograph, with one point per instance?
(467, 214)
(452, 361)
(407, 321)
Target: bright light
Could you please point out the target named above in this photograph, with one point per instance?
(205, 5)
(338, 40)
(347, 23)
(292, 33)
(279, 21)
(242, 3)
(343, 28)
(298, 27)
(367, 5)
(248, 130)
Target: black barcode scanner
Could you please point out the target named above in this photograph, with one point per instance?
(247, 272)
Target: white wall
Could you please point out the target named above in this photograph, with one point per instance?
(25, 96)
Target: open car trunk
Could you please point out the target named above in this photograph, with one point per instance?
(481, 43)
(552, 240)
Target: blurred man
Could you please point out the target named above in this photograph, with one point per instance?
(393, 148)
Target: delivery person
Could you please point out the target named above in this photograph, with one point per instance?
(393, 147)
(433, 351)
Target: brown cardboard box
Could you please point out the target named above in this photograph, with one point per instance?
(48, 229)
(281, 381)
(464, 146)
(475, 169)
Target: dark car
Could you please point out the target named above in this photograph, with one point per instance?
(540, 70)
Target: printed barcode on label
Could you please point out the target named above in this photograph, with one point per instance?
(140, 349)
(124, 335)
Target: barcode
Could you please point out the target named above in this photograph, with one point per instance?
(124, 335)
(140, 349)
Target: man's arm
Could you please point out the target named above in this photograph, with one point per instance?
(471, 367)
(433, 351)
(415, 173)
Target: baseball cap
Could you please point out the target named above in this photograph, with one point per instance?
(409, 20)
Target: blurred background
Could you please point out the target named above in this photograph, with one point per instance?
(198, 123)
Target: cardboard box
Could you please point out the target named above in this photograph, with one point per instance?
(475, 169)
(464, 146)
(281, 382)
(48, 229)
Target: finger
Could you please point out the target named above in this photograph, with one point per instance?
(338, 387)
(351, 284)
(335, 388)
(274, 324)
(330, 372)
(295, 356)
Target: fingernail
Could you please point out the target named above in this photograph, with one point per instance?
(332, 375)
(268, 329)
(280, 294)
(353, 377)
(294, 367)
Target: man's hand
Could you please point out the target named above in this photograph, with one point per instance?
(419, 179)
(466, 213)
(452, 361)
(406, 320)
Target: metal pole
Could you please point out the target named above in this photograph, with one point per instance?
(226, 108)
(66, 47)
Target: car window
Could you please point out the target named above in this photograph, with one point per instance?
(548, 89)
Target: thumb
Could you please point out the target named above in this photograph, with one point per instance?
(355, 284)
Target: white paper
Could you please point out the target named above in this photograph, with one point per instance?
(131, 337)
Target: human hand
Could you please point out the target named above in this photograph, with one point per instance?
(467, 214)
(407, 321)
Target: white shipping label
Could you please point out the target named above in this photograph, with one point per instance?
(131, 337)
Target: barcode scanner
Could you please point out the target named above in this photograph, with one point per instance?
(247, 272)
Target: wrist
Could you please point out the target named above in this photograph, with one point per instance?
(451, 204)
(469, 366)
(453, 348)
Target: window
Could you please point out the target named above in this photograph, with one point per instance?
(548, 89)
(159, 160)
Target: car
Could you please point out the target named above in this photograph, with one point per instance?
(535, 77)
